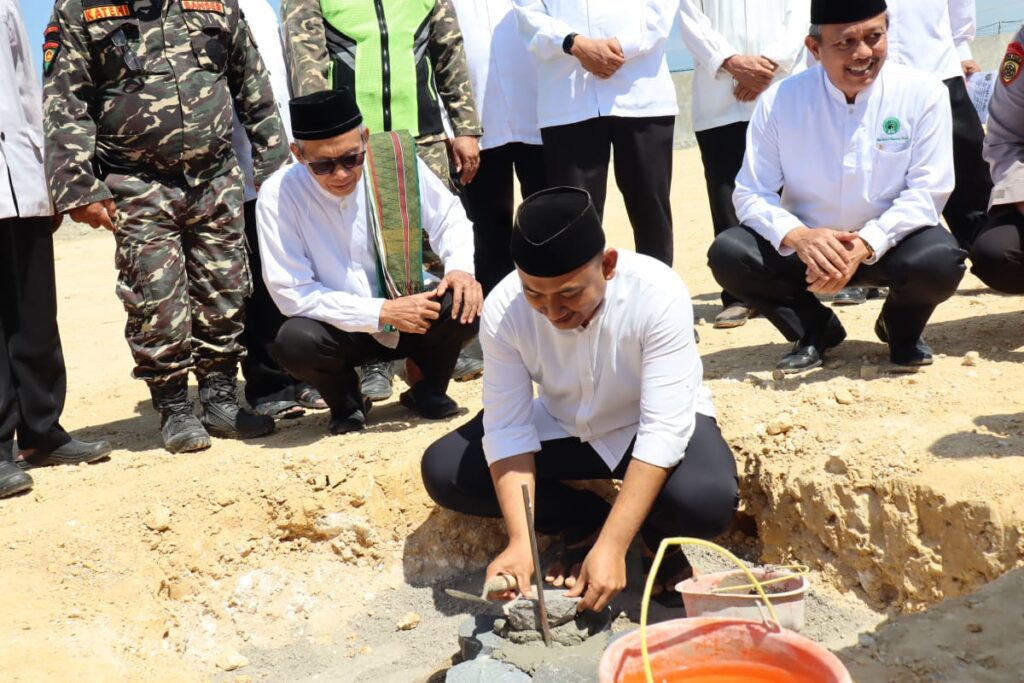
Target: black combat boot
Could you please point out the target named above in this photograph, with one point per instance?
(180, 428)
(222, 415)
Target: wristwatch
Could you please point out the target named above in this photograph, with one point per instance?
(567, 43)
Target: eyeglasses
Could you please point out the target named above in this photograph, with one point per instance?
(329, 166)
(131, 60)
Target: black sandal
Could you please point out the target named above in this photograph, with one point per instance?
(308, 397)
(674, 567)
(279, 410)
(570, 555)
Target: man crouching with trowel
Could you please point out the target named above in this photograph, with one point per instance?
(607, 336)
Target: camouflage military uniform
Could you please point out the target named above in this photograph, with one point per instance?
(316, 52)
(138, 108)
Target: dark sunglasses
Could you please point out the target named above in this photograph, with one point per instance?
(131, 60)
(329, 166)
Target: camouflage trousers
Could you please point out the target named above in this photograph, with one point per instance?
(183, 273)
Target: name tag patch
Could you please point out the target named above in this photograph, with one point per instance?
(1011, 66)
(892, 131)
(91, 14)
(203, 6)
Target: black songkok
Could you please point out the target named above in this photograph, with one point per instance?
(325, 114)
(555, 232)
(845, 11)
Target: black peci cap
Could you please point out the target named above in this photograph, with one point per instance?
(325, 114)
(555, 232)
(845, 11)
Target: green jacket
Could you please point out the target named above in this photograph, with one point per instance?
(151, 92)
(398, 56)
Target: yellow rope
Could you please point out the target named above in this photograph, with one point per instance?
(658, 557)
(793, 571)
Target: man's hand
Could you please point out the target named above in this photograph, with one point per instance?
(821, 250)
(467, 295)
(744, 94)
(411, 314)
(600, 57)
(1020, 207)
(515, 560)
(753, 72)
(857, 251)
(101, 214)
(55, 221)
(466, 150)
(602, 577)
(970, 67)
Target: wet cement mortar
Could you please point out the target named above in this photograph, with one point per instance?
(378, 650)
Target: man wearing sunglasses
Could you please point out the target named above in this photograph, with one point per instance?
(341, 238)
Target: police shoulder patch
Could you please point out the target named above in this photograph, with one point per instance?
(51, 47)
(1011, 66)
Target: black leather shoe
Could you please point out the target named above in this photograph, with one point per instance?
(808, 352)
(353, 422)
(74, 452)
(915, 355)
(427, 404)
(375, 383)
(851, 296)
(12, 479)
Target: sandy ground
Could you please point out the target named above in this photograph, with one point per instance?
(293, 558)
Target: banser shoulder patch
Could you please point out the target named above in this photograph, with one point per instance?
(51, 47)
(203, 6)
(1011, 66)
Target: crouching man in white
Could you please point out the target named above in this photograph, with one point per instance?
(847, 169)
(607, 336)
(341, 238)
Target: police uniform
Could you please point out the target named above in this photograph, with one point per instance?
(417, 56)
(138, 108)
(998, 253)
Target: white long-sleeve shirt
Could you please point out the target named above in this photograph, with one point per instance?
(714, 30)
(318, 256)
(24, 191)
(882, 166)
(933, 35)
(502, 72)
(633, 371)
(567, 92)
(266, 32)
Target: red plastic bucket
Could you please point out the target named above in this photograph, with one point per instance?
(713, 650)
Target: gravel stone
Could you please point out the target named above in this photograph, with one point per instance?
(485, 670)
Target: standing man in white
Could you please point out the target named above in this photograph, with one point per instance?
(604, 84)
(32, 374)
(739, 47)
(504, 79)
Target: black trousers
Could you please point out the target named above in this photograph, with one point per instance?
(721, 152)
(699, 498)
(489, 202)
(965, 210)
(921, 272)
(577, 155)
(998, 252)
(324, 356)
(265, 379)
(32, 375)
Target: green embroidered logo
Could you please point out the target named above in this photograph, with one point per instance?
(891, 126)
